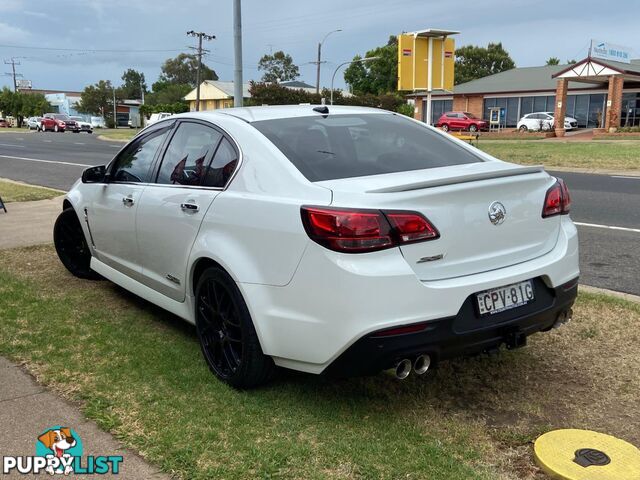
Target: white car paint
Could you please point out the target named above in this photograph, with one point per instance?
(308, 303)
(544, 121)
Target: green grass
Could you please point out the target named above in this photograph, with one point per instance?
(138, 372)
(19, 192)
(571, 154)
(119, 134)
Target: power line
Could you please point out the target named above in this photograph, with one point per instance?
(89, 50)
(200, 51)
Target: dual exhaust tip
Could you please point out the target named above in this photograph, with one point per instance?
(419, 366)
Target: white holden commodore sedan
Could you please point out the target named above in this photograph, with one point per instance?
(330, 240)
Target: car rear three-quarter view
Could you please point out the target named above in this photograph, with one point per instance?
(337, 240)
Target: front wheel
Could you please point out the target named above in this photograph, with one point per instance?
(56, 129)
(473, 128)
(523, 128)
(227, 336)
(71, 245)
(445, 127)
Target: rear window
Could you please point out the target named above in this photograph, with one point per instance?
(342, 146)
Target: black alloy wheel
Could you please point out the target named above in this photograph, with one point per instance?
(71, 245)
(445, 127)
(227, 337)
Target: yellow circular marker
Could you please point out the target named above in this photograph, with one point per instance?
(585, 455)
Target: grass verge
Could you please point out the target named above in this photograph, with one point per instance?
(11, 191)
(138, 372)
(117, 134)
(589, 155)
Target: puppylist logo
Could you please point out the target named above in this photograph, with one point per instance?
(59, 450)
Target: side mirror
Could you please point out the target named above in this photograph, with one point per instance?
(94, 174)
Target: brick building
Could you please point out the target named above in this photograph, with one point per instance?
(598, 93)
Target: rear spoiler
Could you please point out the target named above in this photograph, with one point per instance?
(470, 177)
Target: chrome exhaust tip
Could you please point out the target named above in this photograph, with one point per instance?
(421, 364)
(403, 369)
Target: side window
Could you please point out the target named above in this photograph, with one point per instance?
(134, 162)
(222, 166)
(187, 155)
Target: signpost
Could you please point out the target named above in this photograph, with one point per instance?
(426, 62)
(609, 51)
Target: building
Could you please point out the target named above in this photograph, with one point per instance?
(598, 93)
(61, 101)
(215, 94)
(298, 85)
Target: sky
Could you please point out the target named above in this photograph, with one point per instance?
(69, 44)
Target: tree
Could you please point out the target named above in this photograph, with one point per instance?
(98, 99)
(182, 70)
(20, 105)
(167, 93)
(278, 67)
(553, 61)
(476, 62)
(375, 77)
(133, 85)
(571, 62)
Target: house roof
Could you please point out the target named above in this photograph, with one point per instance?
(532, 79)
(296, 84)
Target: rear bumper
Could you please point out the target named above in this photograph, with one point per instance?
(465, 334)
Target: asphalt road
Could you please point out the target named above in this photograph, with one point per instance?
(609, 257)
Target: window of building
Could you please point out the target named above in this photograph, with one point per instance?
(595, 118)
(581, 111)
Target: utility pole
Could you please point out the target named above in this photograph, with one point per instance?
(115, 119)
(199, 53)
(13, 64)
(319, 61)
(237, 46)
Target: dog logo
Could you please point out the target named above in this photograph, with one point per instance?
(61, 443)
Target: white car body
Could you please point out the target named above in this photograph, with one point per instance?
(33, 123)
(98, 122)
(156, 117)
(83, 124)
(310, 304)
(544, 121)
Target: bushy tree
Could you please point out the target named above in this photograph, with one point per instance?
(378, 76)
(553, 61)
(97, 99)
(133, 85)
(21, 105)
(278, 67)
(182, 69)
(167, 93)
(474, 62)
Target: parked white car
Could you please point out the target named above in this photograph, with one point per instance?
(333, 240)
(33, 123)
(543, 121)
(98, 122)
(83, 125)
(156, 117)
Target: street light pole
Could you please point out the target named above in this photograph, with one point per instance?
(237, 44)
(320, 58)
(366, 59)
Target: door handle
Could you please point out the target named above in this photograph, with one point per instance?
(189, 207)
(128, 201)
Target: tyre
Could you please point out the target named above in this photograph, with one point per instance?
(227, 336)
(473, 128)
(71, 245)
(445, 127)
(523, 128)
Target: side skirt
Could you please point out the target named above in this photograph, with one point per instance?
(183, 310)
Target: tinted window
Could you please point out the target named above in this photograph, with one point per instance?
(187, 155)
(342, 146)
(223, 165)
(132, 165)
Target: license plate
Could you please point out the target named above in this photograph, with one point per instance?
(504, 298)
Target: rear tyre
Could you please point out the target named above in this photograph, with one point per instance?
(71, 245)
(523, 128)
(473, 128)
(445, 127)
(227, 336)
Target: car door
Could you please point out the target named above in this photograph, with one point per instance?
(192, 172)
(112, 213)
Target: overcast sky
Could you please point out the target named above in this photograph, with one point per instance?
(143, 33)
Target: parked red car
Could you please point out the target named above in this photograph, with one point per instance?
(58, 122)
(461, 121)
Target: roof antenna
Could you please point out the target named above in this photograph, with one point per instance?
(323, 109)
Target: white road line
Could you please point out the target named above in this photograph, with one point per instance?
(47, 141)
(625, 176)
(79, 143)
(610, 227)
(116, 146)
(46, 161)
(10, 145)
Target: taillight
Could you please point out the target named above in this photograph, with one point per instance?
(557, 200)
(351, 230)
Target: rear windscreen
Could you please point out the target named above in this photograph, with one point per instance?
(342, 146)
